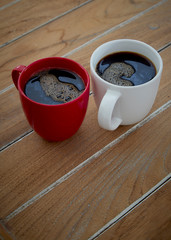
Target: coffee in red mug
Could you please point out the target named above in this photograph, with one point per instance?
(54, 94)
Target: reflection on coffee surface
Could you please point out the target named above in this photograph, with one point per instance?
(126, 69)
(54, 86)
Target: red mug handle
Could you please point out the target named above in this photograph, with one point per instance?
(16, 73)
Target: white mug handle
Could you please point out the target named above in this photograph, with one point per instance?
(108, 114)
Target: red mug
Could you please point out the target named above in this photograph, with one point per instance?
(53, 122)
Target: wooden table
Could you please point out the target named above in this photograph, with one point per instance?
(97, 184)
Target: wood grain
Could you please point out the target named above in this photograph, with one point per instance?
(18, 126)
(25, 15)
(86, 201)
(72, 189)
(14, 124)
(4, 234)
(58, 37)
(91, 139)
(146, 28)
(4, 3)
(150, 220)
(24, 177)
(13, 121)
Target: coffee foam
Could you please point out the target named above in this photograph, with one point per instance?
(58, 91)
(117, 70)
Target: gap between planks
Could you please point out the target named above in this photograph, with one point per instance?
(9, 4)
(130, 208)
(90, 41)
(120, 25)
(25, 134)
(86, 162)
(44, 24)
(19, 138)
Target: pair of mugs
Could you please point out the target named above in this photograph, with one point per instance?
(117, 105)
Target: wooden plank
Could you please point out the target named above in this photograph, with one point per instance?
(58, 37)
(97, 138)
(13, 129)
(16, 159)
(13, 121)
(147, 28)
(14, 124)
(87, 196)
(85, 202)
(25, 15)
(5, 3)
(49, 161)
(4, 234)
(150, 220)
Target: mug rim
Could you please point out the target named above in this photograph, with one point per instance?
(51, 58)
(92, 68)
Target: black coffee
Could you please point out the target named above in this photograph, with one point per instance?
(54, 86)
(126, 69)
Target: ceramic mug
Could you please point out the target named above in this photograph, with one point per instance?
(53, 122)
(124, 105)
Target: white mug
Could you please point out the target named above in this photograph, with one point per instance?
(124, 105)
